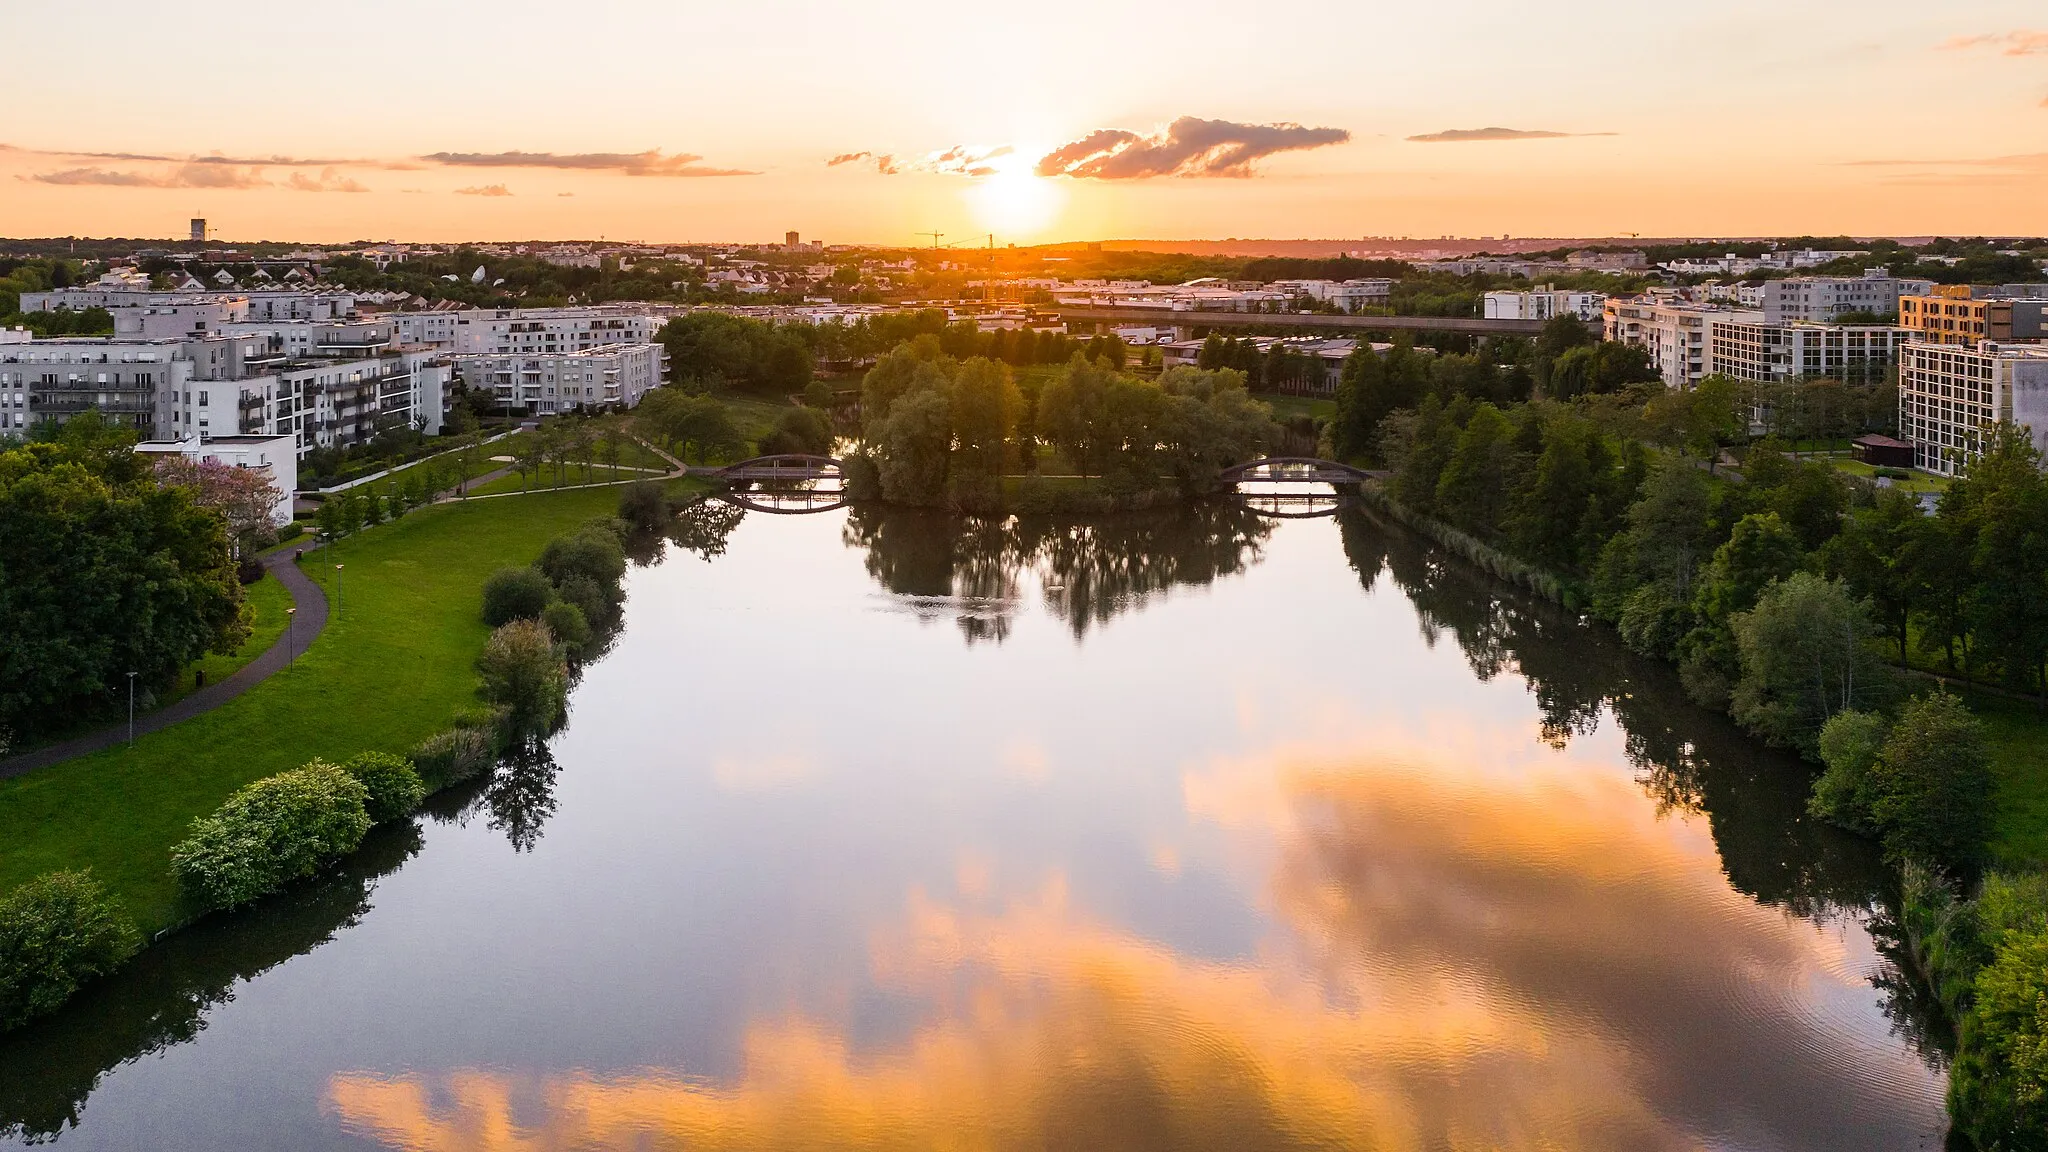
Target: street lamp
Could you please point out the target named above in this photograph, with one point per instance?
(337, 592)
(291, 629)
(131, 709)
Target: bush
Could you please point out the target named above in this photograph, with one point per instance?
(566, 621)
(392, 783)
(57, 932)
(1849, 746)
(455, 755)
(1931, 787)
(592, 552)
(524, 673)
(515, 594)
(588, 598)
(277, 830)
(644, 506)
(1998, 1086)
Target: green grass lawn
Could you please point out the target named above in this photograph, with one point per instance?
(1288, 407)
(393, 667)
(546, 480)
(2018, 735)
(1916, 482)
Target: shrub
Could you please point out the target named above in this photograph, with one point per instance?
(515, 594)
(57, 932)
(392, 783)
(591, 551)
(1849, 745)
(454, 755)
(1998, 1086)
(523, 672)
(277, 830)
(1931, 788)
(566, 621)
(589, 599)
(644, 506)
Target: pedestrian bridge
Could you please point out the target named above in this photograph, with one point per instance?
(783, 468)
(1294, 470)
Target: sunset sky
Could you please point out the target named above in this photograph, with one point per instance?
(672, 120)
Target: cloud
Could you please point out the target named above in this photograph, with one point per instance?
(2019, 42)
(648, 163)
(565, 193)
(209, 158)
(328, 181)
(1189, 147)
(184, 176)
(2015, 169)
(884, 162)
(484, 190)
(1465, 135)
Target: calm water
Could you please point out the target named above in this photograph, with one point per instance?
(1187, 831)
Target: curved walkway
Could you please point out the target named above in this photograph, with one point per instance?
(311, 603)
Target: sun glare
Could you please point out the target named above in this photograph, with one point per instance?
(1013, 202)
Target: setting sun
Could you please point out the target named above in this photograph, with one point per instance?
(1014, 203)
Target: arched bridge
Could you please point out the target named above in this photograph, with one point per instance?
(784, 468)
(1294, 470)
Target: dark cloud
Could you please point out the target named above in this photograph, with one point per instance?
(1189, 147)
(184, 176)
(648, 163)
(484, 190)
(1467, 135)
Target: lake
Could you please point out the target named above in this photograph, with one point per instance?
(1187, 830)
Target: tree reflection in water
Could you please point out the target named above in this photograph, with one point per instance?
(48, 1069)
(521, 794)
(972, 568)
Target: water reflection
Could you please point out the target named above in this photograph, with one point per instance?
(972, 569)
(1447, 977)
(521, 794)
(47, 1070)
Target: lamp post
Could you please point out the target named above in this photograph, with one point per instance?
(291, 631)
(337, 592)
(131, 709)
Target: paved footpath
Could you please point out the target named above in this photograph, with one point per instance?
(312, 618)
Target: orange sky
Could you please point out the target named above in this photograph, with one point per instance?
(664, 120)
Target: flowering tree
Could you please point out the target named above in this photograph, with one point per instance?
(243, 496)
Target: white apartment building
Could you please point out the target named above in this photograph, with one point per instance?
(1675, 336)
(1350, 295)
(1545, 303)
(506, 331)
(124, 380)
(1821, 299)
(181, 318)
(1949, 394)
(1749, 346)
(607, 376)
(275, 456)
(434, 329)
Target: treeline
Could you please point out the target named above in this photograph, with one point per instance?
(18, 276)
(1779, 592)
(708, 351)
(938, 430)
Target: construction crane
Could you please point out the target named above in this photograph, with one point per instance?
(935, 238)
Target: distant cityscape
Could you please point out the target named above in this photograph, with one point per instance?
(269, 345)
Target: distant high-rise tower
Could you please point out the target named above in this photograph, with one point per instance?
(199, 229)
(790, 239)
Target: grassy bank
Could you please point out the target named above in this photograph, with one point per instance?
(393, 667)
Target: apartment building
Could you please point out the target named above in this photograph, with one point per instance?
(1750, 346)
(508, 331)
(541, 383)
(1674, 334)
(1545, 303)
(1949, 393)
(1823, 299)
(1960, 314)
(1349, 295)
(57, 379)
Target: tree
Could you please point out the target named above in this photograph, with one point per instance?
(246, 498)
(983, 409)
(515, 594)
(2004, 502)
(1803, 660)
(1474, 484)
(1759, 552)
(1931, 787)
(1849, 745)
(1877, 553)
(799, 430)
(57, 932)
(524, 673)
(103, 572)
(915, 445)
